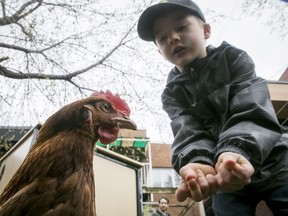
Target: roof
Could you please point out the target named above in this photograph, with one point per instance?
(279, 96)
(118, 157)
(284, 75)
(10, 135)
(10, 148)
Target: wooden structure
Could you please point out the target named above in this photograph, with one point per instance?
(279, 96)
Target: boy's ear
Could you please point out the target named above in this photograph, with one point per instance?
(207, 30)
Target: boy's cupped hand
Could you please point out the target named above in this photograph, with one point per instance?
(199, 181)
(233, 171)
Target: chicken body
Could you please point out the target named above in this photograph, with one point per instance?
(57, 177)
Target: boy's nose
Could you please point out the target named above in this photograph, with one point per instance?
(174, 37)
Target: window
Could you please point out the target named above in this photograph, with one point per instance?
(165, 177)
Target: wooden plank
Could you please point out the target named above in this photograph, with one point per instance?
(132, 133)
(119, 157)
(278, 91)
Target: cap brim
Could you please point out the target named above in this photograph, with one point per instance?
(146, 20)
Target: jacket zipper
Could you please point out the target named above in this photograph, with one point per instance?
(200, 91)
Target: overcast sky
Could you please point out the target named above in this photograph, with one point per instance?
(251, 34)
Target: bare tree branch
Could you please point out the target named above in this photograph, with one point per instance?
(4, 58)
(18, 14)
(4, 71)
(3, 8)
(121, 42)
(11, 74)
(25, 50)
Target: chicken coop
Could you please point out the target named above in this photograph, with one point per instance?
(117, 178)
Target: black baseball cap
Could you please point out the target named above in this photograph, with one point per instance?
(147, 18)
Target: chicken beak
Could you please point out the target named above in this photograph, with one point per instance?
(126, 122)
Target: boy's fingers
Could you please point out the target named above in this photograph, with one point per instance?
(182, 192)
(242, 174)
(203, 184)
(241, 171)
(195, 191)
(213, 185)
(230, 164)
(187, 172)
(235, 169)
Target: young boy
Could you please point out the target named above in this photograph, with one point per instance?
(228, 142)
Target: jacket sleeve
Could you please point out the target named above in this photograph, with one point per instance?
(252, 128)
(191, 142)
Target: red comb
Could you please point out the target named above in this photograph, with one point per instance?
(115, 100)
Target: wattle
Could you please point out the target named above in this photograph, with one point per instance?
(108, 135)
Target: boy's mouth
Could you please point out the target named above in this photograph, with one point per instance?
(177, 50)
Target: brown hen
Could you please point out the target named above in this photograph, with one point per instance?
(56, 177)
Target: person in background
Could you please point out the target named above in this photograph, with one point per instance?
(228, 142)
(163, 206)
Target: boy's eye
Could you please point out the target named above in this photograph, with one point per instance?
(160, 38)
(181, 28)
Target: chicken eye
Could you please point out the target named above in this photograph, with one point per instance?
(106, 107)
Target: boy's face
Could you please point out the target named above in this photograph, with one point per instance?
(181, 37)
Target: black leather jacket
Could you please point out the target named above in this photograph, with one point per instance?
(158, 213)
(218, 104)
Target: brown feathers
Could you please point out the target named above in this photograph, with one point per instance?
(56, 177)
